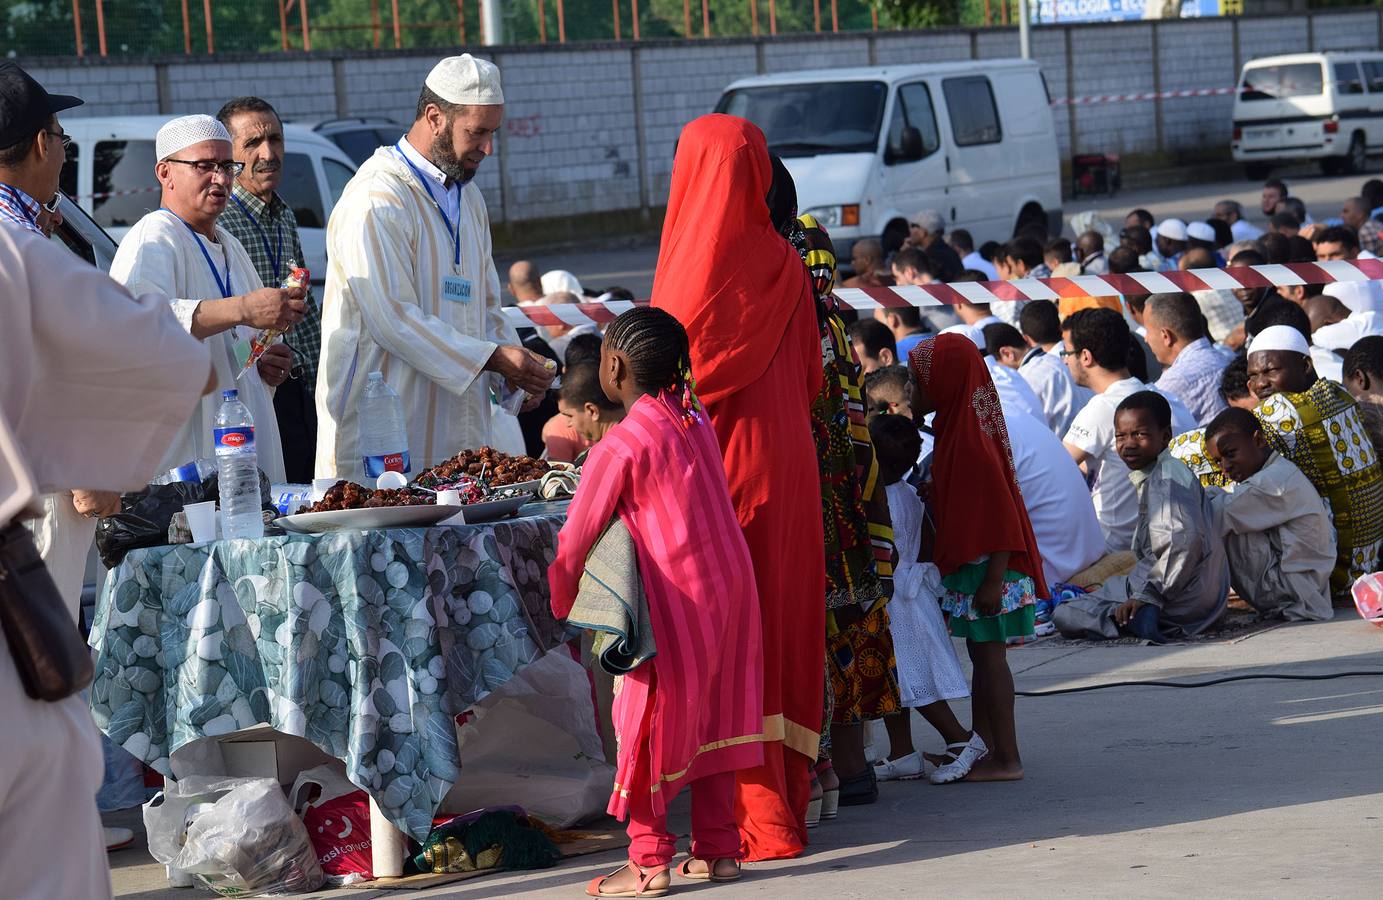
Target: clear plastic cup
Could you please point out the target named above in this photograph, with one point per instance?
(201, 521)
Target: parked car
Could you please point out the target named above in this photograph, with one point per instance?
(110, 173)
(357, 136)
(869, 148)
(1326, 107)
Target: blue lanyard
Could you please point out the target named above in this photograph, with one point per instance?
(224, 284)
(455, 233)
(275, 259)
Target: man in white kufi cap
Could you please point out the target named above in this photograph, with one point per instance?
(412, 290)
(180, 252)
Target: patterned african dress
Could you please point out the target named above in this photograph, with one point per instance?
(859, 534)
(1319, 430)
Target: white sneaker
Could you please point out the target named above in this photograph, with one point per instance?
(971, 752)
(904, 768)
(118, 838)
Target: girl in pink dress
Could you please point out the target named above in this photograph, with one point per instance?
(693, 714)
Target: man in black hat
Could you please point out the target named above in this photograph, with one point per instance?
(33, 148)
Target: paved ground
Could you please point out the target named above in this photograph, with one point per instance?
(1253, 789)
(630, 263)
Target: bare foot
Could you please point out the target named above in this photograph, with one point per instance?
(699, 868)
(938, 759)
(829, 780)
(626, 880)
(989, 769)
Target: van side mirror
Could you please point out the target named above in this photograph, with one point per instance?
(907, 149)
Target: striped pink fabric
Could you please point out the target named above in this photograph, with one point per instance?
(697, 708)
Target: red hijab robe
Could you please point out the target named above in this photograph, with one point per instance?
(742, 293)
(979, 508)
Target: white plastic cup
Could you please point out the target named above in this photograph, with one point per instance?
(177, 878)
(201, 520)
(449, 498)
(391, 480)
(320, 486)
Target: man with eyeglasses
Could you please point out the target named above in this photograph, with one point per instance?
(267, 229)
(211, 283)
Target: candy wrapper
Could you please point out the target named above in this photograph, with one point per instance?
(297, 277)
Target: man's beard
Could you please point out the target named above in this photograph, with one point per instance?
(444, 157)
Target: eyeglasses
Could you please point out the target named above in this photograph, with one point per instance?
(1065, 353)
(52, 205)
(209, 166)
(62, 136)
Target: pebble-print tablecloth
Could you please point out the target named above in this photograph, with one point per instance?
(366, 643)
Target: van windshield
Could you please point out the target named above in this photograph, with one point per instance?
(1280, 82)
(809, 119)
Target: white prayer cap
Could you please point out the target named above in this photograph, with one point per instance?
(975, 335)
(467, 81)
(559, 280)
(182, 133)
(1174, 230)
(1201, 231)
(1280, 337)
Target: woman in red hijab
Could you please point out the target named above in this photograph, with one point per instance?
(984, 545)
(742, 293)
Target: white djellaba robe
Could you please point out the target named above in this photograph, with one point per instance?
(159, 255)
(95, 385)
(383, 311)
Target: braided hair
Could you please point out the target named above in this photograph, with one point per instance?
(659, 354)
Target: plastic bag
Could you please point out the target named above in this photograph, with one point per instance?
(145, 515)
(533, 743)
(250, 842)
(336, 814)
(165, 815)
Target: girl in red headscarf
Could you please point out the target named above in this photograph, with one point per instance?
(743, 295)
(984, 548)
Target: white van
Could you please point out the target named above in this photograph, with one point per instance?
(1309, 106)
(110, 174)
(870, 148)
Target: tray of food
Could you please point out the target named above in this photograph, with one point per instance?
(488, 465)
(349, 506)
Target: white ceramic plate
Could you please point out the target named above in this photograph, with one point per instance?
(529, 486)
(365, 519)
(489, 510)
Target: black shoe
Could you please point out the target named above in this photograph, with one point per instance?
(859, 790)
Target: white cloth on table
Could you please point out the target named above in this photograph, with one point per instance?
(160, 255)
(927, 668)
(389, 253)
(1056, 390)
(95, 386)
(1057, 500)
(1280, 542)
(1116, 502)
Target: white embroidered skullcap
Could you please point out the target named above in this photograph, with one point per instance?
(1280, 337)
(182, 133)
(1172, 229)
(466, 80)
(975, 335)
(559, 280)
(1201, 231)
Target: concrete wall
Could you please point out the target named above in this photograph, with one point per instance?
(591, 128)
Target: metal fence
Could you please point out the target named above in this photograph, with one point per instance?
(143, 28)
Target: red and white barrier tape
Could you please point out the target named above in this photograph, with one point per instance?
(1054, 289)
(1144, 95)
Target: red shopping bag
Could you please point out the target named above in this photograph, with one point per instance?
(337, 816)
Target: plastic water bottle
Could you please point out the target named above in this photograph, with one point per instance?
(383, 433)
(237, 466)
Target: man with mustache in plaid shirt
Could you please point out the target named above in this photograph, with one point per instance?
(266, 226)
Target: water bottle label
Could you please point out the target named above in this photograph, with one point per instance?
(185, 472)
(376, 466)
(239, 439)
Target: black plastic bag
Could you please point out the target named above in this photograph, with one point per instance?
(145, 515)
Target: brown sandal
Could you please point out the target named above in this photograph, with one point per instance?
(646, 876)
(709, 874)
